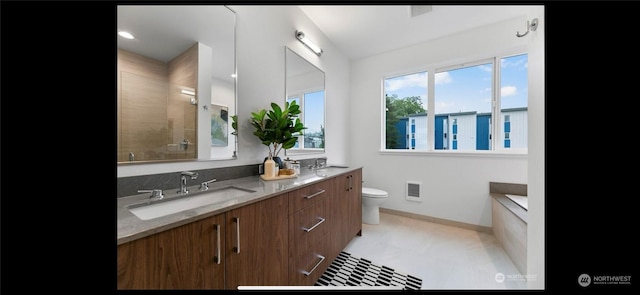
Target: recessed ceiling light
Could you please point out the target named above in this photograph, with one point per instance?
(125, 34)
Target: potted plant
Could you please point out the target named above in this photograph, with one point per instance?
(278, 128)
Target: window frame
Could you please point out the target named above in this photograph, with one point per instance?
(494, 125)
(300, 95)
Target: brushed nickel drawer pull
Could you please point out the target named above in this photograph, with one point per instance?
(310, 229)
(237, 247)
(306, 273)
(218, 257)
(311, 196)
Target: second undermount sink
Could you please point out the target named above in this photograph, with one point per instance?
(170, 205)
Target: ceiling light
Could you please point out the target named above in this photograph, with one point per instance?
(125, 34)
(316, 49)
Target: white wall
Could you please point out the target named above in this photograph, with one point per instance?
(454, 187)
(262, 34)
(536, 168)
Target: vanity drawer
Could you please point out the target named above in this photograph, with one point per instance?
(308, 267)
(306, 196)
(307, 227)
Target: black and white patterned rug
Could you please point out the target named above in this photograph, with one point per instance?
(347, 270)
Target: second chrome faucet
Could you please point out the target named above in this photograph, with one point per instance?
(183, 181)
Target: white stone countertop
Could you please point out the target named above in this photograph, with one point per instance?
(130, 227)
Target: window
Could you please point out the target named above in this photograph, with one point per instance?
(312, 116)
(465, 99)
(462, 93)
(404, 100)
(513, 102)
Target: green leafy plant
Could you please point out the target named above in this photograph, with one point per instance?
(234, 124)
(278, 128)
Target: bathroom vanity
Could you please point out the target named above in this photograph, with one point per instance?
(280, 233)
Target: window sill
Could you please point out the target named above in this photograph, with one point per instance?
(449, 153)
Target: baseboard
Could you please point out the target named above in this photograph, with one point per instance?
(475, 227)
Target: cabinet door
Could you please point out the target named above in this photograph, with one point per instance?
(257, 244)
(347, 212)
(339, 215)
(354, 194)
(185, 257)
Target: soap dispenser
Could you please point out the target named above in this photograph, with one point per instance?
(270, 168)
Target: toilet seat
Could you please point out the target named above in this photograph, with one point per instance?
(373, 193)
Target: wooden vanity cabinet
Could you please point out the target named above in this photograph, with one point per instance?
(289, 239)
(347, 204)
(185, 257)
(256, 244)
(353, 193)
(338, 201)
(206, 254)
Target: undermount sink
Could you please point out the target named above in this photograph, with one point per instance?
(332, 166)
(170, 205)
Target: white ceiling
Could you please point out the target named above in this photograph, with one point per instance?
(365, 30)
(357, 30)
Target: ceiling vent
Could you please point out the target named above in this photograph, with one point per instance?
(416, 10)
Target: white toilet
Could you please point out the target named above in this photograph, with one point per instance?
(371, 200)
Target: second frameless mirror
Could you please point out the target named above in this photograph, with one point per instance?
(305, 84)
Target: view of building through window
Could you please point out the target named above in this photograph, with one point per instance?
(463, 118)
(312, 116)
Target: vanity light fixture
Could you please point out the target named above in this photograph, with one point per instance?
(125, 34)
(302, 38)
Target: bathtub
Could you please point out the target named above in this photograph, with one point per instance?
(520, 200)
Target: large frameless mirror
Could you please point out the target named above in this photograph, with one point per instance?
(176, 85)
(304, 84)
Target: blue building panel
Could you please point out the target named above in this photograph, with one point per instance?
(439, 140)
(401, 126)
(482, 131)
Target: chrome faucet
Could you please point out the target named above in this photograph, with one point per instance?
(319, 163)
(183, 181)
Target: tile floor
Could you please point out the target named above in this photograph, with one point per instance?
(444, 257)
